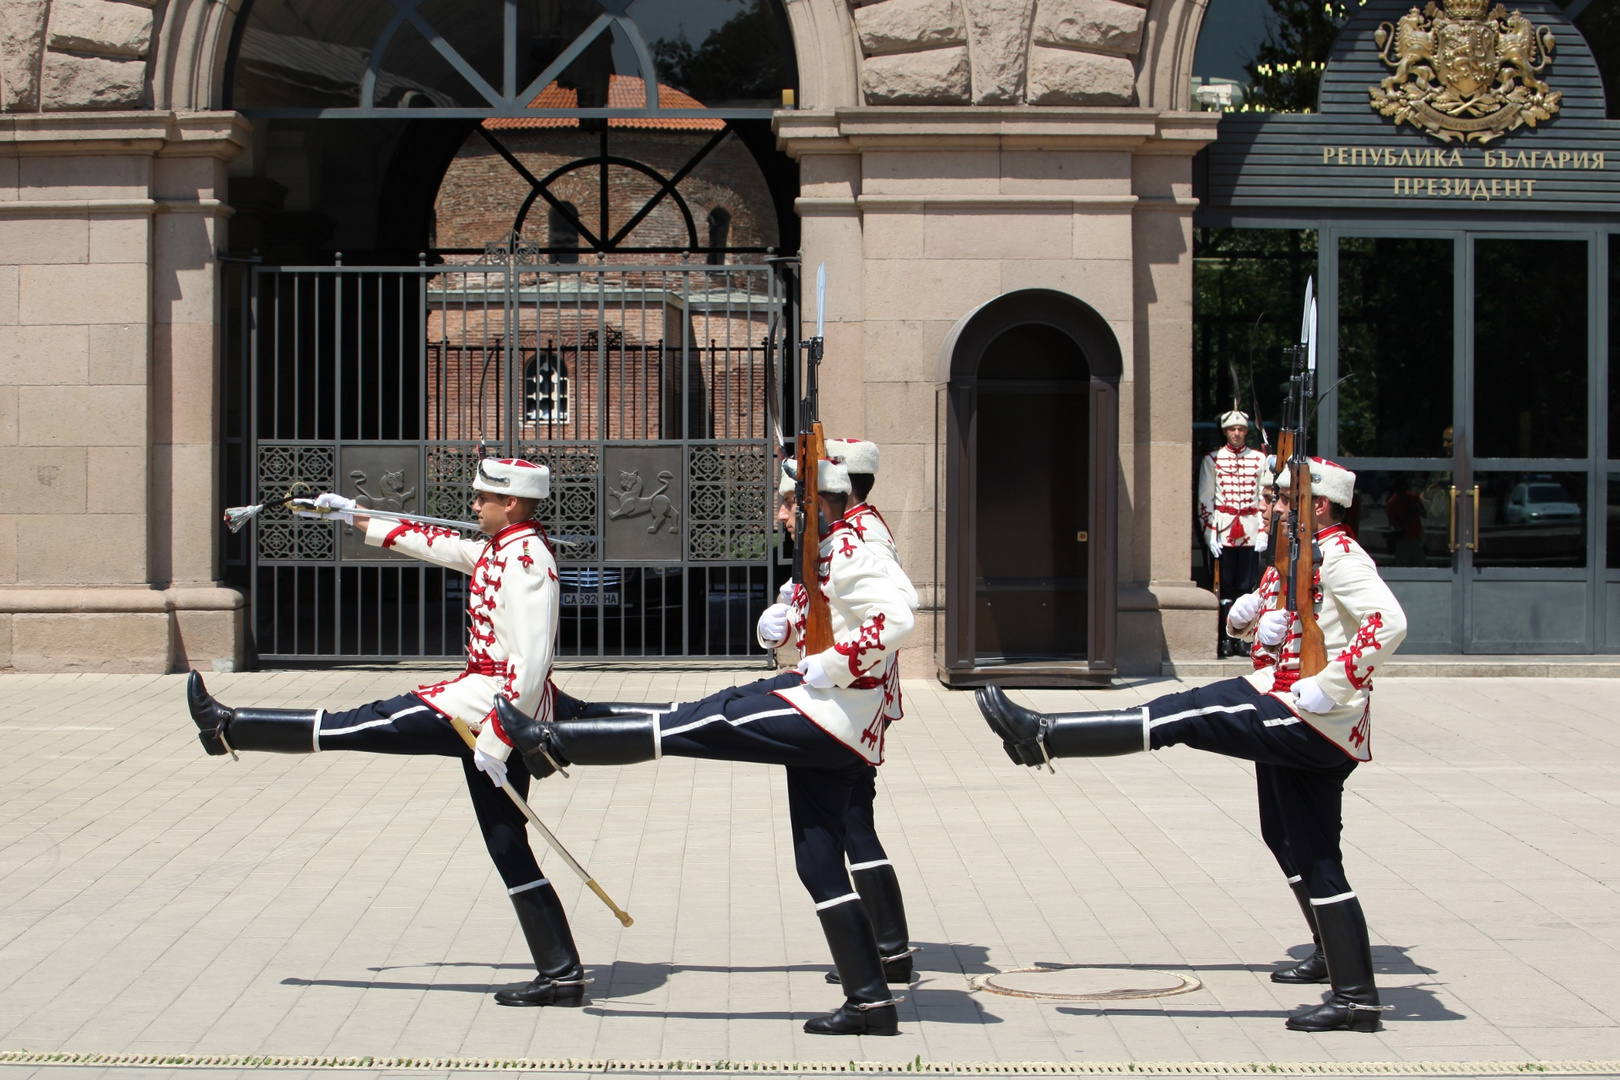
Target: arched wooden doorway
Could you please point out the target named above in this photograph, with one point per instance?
(1029, 396)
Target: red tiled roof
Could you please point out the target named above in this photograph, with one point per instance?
(624, 92)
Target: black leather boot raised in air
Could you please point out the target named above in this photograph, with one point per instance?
(1312, 969)
(569, 707)
(1032, 738)
(868, 1009)
(1353, 1005)
(561, 979)
(224, 731)
(612, 740)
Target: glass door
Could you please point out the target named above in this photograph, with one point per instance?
(1465, 375)
(1393, 394)
(1530, 548)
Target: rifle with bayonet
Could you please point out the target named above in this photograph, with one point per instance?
(810, 449)
(1297, 561)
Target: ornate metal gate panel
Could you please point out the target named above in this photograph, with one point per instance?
(643, 388)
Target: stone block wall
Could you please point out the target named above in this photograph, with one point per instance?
(70, 55)
(999, 52)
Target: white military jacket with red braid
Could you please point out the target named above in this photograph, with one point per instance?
(1229, 496)
(1362, 624)
(871, 604)
(512, 601)
(871, 528)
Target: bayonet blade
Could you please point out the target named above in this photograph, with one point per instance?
(1310, 342)
(1305, 316)
(821, 297)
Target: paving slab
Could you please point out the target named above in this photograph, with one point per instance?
(338, 912)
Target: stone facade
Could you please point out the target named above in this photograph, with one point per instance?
(950, 151)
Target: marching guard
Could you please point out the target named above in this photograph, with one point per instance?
(824, 721)
(869, 863)
(512, 604)
(1229, 513)
(1305, 736)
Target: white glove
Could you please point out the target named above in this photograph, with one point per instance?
(1260, 543)
(326, 505)
(784, 595)
(1244, 609)
(1273, 628)
(1312, 698)
(493, 767)
(1215, 546)
(773, 623)
(814, 674)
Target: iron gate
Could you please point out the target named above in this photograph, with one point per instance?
(642, 388)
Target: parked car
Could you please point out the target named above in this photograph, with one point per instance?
(1539, 502)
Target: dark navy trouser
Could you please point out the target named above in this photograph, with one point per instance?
(1299, 773)
(749, 723)
(408, 725)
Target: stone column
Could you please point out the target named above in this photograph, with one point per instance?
(84, 398)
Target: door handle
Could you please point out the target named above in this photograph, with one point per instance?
(1451, 522)
(1473, 525)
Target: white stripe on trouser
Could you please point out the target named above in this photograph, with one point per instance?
(869, 865)
(1147, 729)
(315, 733)
(741, 720)
(658, 738)
(835, 901)
(1205, 711)
(526, 888)
(1295, 880)
(1325, 901)
(368, 724)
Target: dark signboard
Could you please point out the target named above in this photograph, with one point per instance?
(1467, 106)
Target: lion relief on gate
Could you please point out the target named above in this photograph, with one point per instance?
(630, 502)
(1465, 75)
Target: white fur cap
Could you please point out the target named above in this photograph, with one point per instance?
(1235, 419)
(857, 455)
(832, 477)
(787, 485)
(1328, 478)
(513, 476)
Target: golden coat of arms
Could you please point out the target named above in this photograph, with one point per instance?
(1464, 75)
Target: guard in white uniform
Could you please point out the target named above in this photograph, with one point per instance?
(513, 605)
(824, 721)
(869, 863)
(1229, 511)
(1305, 736)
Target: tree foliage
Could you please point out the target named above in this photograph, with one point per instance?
(1286, 71)
(741, 60)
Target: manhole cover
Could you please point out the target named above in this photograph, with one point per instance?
(1085, 982)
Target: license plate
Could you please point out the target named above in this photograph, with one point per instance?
(589, 599)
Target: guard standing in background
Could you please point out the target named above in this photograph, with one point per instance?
(1229, 514)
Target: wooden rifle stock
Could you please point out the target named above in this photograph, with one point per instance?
(818, 635)
(1275, 525)
(1312, 646)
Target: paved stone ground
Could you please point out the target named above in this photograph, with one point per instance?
(159, 901)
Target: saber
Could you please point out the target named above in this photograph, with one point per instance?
(238, 516)
(534, 819)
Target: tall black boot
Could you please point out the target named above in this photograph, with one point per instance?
(1312, 969)
(1353, 1005)
(613, 740)
(561, 979)
(569, 707)
(1032, 738)
(868, 1009)
(224, 731)
(880, 894)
